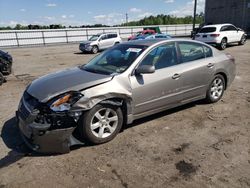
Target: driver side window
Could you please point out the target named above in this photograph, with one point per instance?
(161, 57)
(104, 37)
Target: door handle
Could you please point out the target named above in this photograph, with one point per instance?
(176, 76)
(210, 65)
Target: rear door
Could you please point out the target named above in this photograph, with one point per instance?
(197, 69)
(103, 43)
(232, 34)
(111, 39)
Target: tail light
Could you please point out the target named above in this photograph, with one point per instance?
(215, 35)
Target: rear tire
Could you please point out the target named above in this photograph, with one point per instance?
(101, 123)
(243, 40)
(223, 44)
(1, 79)
(216, 89)
(94, 49)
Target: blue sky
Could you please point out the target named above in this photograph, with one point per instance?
(82, 12)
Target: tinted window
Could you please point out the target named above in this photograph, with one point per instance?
(110, 36)
(231, 28)
(104, 37)
(191, 51)
(161, 57)
(207, 30)
(224, 28)
(208, 51)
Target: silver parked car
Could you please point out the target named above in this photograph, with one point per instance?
(129, 81)
(100, 42)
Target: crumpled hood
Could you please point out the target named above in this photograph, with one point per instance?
(75, 79)
(85, 42)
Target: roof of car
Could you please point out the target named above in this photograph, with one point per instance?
(150, 42)
(217, 25)
(107, 33)
(146, 42)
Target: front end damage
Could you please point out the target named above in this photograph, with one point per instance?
(42, 129)
(47, 130)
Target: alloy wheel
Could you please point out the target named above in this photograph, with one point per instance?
(217, 88)
(104, 123)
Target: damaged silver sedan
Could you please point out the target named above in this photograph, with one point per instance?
(129, 81)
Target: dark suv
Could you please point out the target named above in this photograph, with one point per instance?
(5, 65)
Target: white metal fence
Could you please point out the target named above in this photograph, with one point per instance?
(53, 36)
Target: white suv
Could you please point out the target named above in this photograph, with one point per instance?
(221, 34)
(100, 42)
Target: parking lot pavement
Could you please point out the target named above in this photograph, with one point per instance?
(198, 145)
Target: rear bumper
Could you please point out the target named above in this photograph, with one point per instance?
(44, 140)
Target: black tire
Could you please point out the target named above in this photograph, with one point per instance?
(94, 49)
(1, 79)
(89, 134)
(223, 44)
(210, 95)
(243, 40)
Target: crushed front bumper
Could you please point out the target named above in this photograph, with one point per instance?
(43, 140)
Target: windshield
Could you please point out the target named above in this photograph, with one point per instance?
(94, 37)
(207, 30)
(138, 33)
(116, 60)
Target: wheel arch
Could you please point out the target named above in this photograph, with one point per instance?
(123, 103)
(224, 76)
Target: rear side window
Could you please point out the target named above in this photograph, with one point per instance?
(191, 51)
(208, 30)
(231, 28)
(110, 36)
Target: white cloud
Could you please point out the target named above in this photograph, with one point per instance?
(64, 16)
(71, 16)
(51, 5)
(23, 10)
(146, 14)
(169, 1)
(109, 19)
(135, 10)
(49, 18)
(188, 9)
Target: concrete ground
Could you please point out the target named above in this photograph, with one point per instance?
(197, 145)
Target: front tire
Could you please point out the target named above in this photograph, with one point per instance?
(94, 49)
(216, 89)
(243, 40)
(223, 44)
(101, 124)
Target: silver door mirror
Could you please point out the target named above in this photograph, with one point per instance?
(145, 69)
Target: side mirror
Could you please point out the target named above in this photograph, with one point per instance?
(145, 69)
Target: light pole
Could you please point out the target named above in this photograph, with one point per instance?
(194, 18)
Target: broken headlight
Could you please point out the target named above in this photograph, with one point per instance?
(64, 102)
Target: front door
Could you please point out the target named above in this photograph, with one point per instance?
(161, 88)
